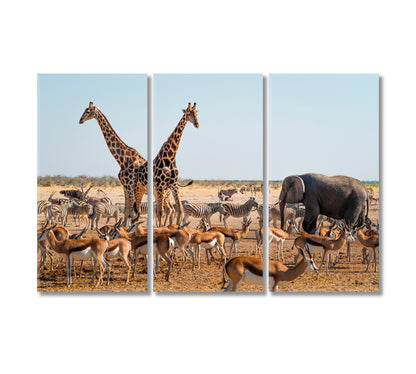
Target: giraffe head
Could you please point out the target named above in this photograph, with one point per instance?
(190, 114)
(89, 113)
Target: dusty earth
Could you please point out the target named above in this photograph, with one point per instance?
(344, 277)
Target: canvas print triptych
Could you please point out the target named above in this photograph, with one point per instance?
(211, 217)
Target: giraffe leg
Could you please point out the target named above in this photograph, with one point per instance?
(126, 205)
(168, 208)
(176, 196)
(159, 207)
(171, 211)
(140, 191)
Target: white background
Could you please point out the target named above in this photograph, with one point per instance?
(118, 334)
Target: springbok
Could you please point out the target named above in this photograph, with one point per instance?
(369, 239)
(277, 235)
(250, 270)
(162, 245)
(117, 248)
(208, 240)
(231, 235)
(78, 249)
(323, 244)
(60, 232)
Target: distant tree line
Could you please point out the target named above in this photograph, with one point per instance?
(110, 181)
(61, 180)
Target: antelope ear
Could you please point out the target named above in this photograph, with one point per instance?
(91, 105)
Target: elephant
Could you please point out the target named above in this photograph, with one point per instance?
(339, 197)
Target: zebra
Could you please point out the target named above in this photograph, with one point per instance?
(293, 212)
(43, 208)
(202, 211)
(225, 195)
(144, 207)
(255, 189)
(322, 218)
(274, 214)
(58, 201)
(239, 210)
(59, 212)
(80, 208)
(105, 210)
(94, 200)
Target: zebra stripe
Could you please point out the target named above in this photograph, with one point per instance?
(43, 207)
(80, 208)
(59, 212)
(235, 210)
(203, 211)
(104, 210)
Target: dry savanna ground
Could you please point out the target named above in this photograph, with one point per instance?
(55, 280)
(345, 276)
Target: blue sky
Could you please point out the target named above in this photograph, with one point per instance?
(324, 123)
(228, 142)
(68, 148)
(318, 123)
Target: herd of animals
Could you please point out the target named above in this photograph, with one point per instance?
(305, 203)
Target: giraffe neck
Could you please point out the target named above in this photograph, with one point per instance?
(120, 150)
(170, 147)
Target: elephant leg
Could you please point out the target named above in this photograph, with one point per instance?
(311, 215)
(352, 215)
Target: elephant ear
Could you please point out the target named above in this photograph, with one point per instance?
(293, 189)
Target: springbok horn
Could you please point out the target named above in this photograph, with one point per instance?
(84, 194)
(118, 223)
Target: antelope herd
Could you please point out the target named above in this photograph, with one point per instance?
(127, 240)
(219, 242)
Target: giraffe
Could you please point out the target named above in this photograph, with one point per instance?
(165, 172)
(127, 157)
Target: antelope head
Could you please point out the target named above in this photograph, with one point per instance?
(309, 259)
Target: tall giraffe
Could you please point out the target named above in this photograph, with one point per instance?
(127, 157)
(165, 172)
